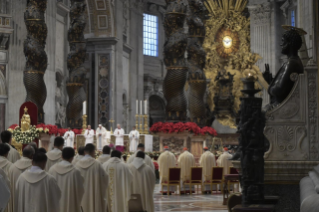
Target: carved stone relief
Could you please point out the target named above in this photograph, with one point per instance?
(175, 144)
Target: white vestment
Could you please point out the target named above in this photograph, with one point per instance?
(77, 158)
(119, 134)
(223, 161)
(5, 164)
(14, 173)
(143, 183)
(13, 155)
(4, 191)
(134, 140)
(69, 139)
(185, 161)
(100, 135)
(119, 189)
(165, 161)
(54, 156)
(37, 191)
(147, 159)
(95, 184)
(103, 158)
(71, 183)
(207, 161)
(89, 136)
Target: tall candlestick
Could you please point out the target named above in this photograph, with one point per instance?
(141, 107)
(84, 108)
(136, 106)
(145, 107)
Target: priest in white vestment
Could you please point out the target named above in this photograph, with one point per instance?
(4, 191)
(106, 155)
(143, 181)
(79, 156)
(223, 161)
(148, 159)
(95, 182)
(70, 182)
(36, 190)
(89, 135)
(100, 135)
(119, 141)
(134, 139)
(6, 137)
(207, 161)
(17, 169)
(69, 138)
(165, 161)
(120, 180)
(185, 161)
(5, 164)
(55, 155)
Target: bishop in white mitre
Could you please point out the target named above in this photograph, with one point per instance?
(5, 164)
(207, 161)
(36, 190)
(101, 139)
(119, 141)
(17, 169)
(120, 179)
(143, 181)
(69, 138)
(147, 159)
(95, 181)
(106, 155)
(134, 139)
(165, 161)
(55, 155)
(185, 161)
(224, 160)
(70, 182)
(5, 191)
(6, 138)
(89, 135)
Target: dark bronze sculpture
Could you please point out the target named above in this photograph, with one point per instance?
(75, 62)
(37, 60)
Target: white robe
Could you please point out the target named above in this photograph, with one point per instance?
(103, 158)
(119, 134)
(119, 189)
(89, 136)
(134, 140)
(186, 160)
(5, 164)
(100, 139)
(4, 191)
(70, 182)
(95, 185)
(143, 183)
(223, 161)
(207, 161)
(165, 161)
(37, 191)
(13, 155)
(69, 139)
(77, 158)
(14, 173)
(54, 156)
(147, 159)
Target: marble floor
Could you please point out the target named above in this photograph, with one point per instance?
(188, 203)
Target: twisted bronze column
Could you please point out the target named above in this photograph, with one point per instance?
(36, 58)
(75, 62)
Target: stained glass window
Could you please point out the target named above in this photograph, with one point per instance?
(293, 19)
(150, 35)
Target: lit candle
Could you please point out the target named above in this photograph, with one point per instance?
(136, 107)
(84, 108)
(141, 107)
(145, 106)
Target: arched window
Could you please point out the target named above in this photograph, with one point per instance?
(150, 35)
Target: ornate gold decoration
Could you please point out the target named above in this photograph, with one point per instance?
(25, 121)
(111, 121)
(111, 189)
(146, 124)
(18, 146)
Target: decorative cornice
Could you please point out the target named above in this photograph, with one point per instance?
(260, 14)
(101, 40)
(62, 9)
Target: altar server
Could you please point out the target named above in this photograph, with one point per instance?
(143, 181)
(186, 160)
(70, 182)
(36, 190)
(148, 159)
(95, 181)
(89, 135)
(134, 139)
(106, 155)
(6, 138)
(119, 142)
(224, 161)
(4, 191)
(17, 169)
(79, 156)
(5, 164)
(100, 137)
(120, 178)
(69, 138)
(55, 155)
(165, 161)
(207, 161)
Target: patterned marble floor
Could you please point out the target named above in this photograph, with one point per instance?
(188, 203)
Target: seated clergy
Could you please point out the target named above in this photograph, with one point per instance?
(165, 161)
(106, 155)
(186, 160)
(55, 155)
(147, 159)
(224, 160)
(36, 190)
(70, 182)
(79, 156)
(95, 181)
(6, 138)
(207, 161)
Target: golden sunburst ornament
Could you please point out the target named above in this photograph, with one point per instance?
(228, 42)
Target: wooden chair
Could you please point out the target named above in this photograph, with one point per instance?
(174, 179)
(196, 178)
(233, 170)
(217, 178)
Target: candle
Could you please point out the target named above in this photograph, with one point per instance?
(141, 107)
(136, 107)
(145, 106)
(84, 108)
